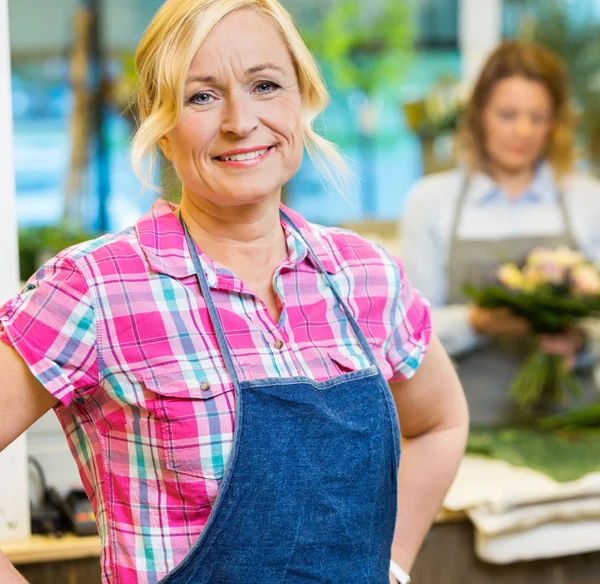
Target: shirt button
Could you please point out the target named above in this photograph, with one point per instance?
(205, 386)
(279, 344)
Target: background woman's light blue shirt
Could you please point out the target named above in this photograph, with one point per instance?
(488, 213)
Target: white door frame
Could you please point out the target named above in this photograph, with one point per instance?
(480, 31)
(14, 493)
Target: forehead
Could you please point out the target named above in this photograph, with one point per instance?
(244, 38)
(521, 90)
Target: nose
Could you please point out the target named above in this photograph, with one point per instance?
(239, 117)
(524, 126)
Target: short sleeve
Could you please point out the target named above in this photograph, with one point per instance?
(411, 329)
(51, 325)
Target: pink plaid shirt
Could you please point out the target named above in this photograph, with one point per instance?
(118, 331)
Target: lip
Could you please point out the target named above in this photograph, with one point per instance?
(245, 163)
(244, 150)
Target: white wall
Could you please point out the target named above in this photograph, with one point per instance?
(480, 25)
(14, 499)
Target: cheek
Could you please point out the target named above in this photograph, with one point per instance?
(285, 117)
(496, 132)
(191, 135)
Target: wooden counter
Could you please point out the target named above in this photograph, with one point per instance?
(49, 560)
(447, 557)
(41, 548)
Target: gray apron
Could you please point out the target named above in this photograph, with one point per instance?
(487, 372)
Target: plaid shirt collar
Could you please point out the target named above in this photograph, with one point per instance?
(162, 240)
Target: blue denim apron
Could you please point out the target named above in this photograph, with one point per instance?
(309, 494)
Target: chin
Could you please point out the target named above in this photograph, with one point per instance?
(247, 191)
(239, 198)
(518, 164)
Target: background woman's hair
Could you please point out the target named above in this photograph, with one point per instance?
(163, 59)
(516, 58)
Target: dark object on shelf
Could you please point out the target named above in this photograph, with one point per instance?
(54, 515)
(47, 516)
(80, 513)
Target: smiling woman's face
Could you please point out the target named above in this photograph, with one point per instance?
(239, 139)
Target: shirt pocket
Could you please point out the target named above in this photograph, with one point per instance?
(345, 364)
(196, 412)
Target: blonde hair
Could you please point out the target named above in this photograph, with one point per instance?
(163, 59)
(516, 58)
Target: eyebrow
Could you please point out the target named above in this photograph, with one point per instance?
(248, 73)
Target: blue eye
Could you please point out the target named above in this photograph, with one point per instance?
(266, 87)
(201, 98)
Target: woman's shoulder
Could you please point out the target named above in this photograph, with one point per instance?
(92, 249)
(435, 189)
(155, 236)
(90, 264)
(352, 252)
(433, 195)
(340, 248)
(581, 185)
(437, 185)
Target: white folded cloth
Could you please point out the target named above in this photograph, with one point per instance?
(522, 514)
(552, 540)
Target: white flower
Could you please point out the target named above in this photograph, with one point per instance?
(586, 280)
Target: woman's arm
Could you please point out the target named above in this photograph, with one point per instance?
(23, 399)
(424, 250)
(434, 424)
(8, 573)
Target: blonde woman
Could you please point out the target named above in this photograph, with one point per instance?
(516, 191)
(225, 371)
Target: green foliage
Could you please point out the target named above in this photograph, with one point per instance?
(39, 243)
(547, 312)
(542, 377)
(586, 417)
(564, 456)
(440, 111)
(362, 46)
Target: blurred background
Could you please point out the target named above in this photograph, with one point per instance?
(398, 71)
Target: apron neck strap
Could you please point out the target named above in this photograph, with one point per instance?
(210, 305)
(334, 288)
(216, 321)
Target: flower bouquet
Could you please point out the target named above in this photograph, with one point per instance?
(552, 290)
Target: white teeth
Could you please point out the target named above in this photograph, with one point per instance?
(245, 155)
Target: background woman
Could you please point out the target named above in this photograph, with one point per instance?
(516, 191)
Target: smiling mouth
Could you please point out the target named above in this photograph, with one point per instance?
(244, 155)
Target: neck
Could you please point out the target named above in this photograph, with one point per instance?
(237, 235)
(514, 182)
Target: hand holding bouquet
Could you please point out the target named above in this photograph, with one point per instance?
(551, 291)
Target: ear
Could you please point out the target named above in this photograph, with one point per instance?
(165, 145)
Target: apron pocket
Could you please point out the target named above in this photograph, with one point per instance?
(196, 419)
